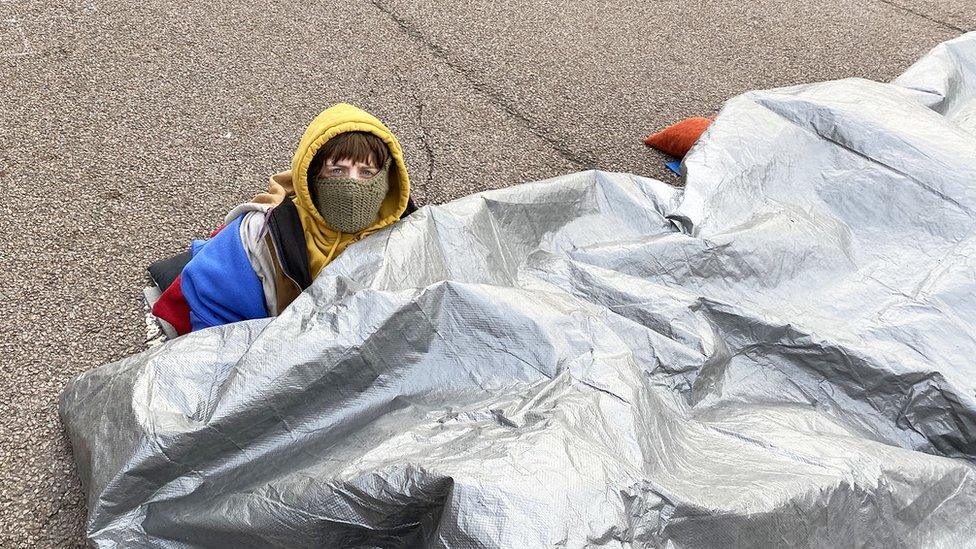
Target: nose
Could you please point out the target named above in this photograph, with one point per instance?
(357, 173)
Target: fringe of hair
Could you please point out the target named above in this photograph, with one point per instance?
(355, 146)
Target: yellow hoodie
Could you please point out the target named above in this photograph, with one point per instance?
(322, 242)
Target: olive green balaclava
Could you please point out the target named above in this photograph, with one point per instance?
(351, 205)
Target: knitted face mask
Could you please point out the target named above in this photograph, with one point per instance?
(350, 205)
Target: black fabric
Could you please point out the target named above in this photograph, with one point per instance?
(165, 271)
(289, 240)
(411, 207)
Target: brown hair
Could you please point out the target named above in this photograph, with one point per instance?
(355, 146)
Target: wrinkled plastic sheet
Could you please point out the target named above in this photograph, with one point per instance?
(779, 354)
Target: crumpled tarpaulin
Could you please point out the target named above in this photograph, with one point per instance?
(781, 353)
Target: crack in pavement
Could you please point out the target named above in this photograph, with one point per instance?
(581, 159)
(917, 13)
(425, 139)
(424, 132)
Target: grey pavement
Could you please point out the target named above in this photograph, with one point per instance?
(127, 128)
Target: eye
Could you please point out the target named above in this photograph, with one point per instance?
(335, 171)
(369, 173)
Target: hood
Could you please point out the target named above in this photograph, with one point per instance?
(323, 242)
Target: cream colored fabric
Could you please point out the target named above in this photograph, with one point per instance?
(245, 208)
(253, 229)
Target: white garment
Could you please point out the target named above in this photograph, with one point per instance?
(157, 329)
(253, 229)
(243, 208)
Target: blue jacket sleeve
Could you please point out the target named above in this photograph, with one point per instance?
(219, 284)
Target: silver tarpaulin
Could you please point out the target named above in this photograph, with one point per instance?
(783, 353)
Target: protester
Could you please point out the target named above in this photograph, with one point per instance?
(347, 180)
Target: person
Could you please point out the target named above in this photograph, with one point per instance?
(347, 181)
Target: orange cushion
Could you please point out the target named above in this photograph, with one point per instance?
(677, 139)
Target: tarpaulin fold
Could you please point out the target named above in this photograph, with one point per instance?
(781, 353)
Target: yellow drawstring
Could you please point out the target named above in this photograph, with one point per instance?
(328, 258)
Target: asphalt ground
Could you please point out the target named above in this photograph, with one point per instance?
(127, 128)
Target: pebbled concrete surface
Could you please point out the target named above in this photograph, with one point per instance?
(127, 128)
(958, 15)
